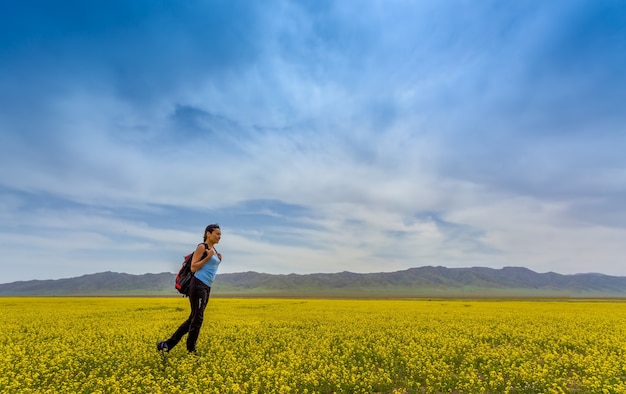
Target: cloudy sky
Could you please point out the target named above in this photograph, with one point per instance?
(323, 136)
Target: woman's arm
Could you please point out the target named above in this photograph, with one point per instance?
(199, 258)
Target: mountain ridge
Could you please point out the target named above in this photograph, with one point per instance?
(427, 281)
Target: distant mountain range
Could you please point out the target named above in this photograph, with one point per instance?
(414, 282)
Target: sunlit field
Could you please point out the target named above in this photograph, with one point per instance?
(107, 345)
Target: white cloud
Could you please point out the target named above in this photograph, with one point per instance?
(386, 137)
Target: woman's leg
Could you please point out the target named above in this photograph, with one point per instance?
(199, 300)
(182, 330)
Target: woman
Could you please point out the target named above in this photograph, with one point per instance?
(204, 265)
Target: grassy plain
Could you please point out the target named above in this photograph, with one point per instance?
(107, 345)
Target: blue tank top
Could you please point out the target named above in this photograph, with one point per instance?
(207, 273)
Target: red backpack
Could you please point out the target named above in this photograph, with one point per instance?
(183, 278)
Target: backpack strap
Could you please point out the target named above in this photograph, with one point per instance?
(206, 246)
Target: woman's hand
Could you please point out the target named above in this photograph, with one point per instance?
(211, 251)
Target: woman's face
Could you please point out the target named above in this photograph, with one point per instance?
(215, 236)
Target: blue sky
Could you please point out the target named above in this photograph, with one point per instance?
(323, 136)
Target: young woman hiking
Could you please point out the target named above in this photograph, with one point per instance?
(204, 264)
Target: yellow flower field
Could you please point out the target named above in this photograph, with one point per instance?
(107, 345)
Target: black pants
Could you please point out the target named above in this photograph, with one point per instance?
(198, 298)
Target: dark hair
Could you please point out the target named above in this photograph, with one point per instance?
(210, 229)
